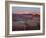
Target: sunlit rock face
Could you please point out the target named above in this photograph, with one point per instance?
(25, 21)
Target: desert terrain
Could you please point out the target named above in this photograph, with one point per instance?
(25, 21)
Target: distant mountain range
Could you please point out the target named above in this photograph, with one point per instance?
(23, 16)
(26, 12)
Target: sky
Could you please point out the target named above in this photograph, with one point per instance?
(25, 8)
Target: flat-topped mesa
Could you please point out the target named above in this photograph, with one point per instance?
(26, 12)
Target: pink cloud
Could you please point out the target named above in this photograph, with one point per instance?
(26, 12)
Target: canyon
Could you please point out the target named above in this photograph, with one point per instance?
(22, 22)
